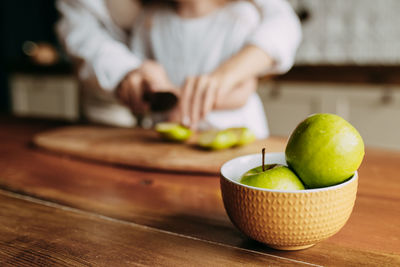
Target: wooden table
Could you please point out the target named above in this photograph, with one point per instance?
(58, 210)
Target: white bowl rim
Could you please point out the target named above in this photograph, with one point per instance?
(305, 191)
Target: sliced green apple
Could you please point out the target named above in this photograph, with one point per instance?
(245, 135)
(216, 140)
(173, 131)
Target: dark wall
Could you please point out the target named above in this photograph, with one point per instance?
(26, 20)
(21, 21)
(4, 93)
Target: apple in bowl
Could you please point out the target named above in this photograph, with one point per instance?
(284, 219)
(271, 206)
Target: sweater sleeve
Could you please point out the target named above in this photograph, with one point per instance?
(86, 38)
(278, 34)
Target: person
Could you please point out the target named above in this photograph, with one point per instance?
(96, 33)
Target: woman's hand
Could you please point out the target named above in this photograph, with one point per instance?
(131, 90)
(148, 78)
(228, 87)
(198, 97)
(202, 94)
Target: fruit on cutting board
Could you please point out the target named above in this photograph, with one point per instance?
(173, 131)
(272, 176)
(245, 135)
(217, 139)
(324, 150)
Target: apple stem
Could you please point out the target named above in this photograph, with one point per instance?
(263, 159)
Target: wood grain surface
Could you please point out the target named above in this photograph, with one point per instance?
(144, 148)
(190, 204)
(44, 234)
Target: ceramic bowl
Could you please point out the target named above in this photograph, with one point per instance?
(285, 220)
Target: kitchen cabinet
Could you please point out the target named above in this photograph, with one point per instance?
(373, 109)
(375, 113)
(287, 104)
(53, 96)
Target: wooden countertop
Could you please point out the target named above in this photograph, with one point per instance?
(58, 210)
(349, 74)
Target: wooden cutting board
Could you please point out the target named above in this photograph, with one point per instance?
(144, 148)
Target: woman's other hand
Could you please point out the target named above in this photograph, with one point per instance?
(131, 91)
(150, 77)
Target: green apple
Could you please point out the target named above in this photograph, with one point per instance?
(216, 140)
(173, 131)
(274, 176)
(324, 150)
(245, 135)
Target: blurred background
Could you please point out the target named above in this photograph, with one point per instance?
(348, 64)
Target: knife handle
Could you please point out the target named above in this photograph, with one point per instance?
(160, 101)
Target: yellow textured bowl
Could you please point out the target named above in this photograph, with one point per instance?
(286, 220)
